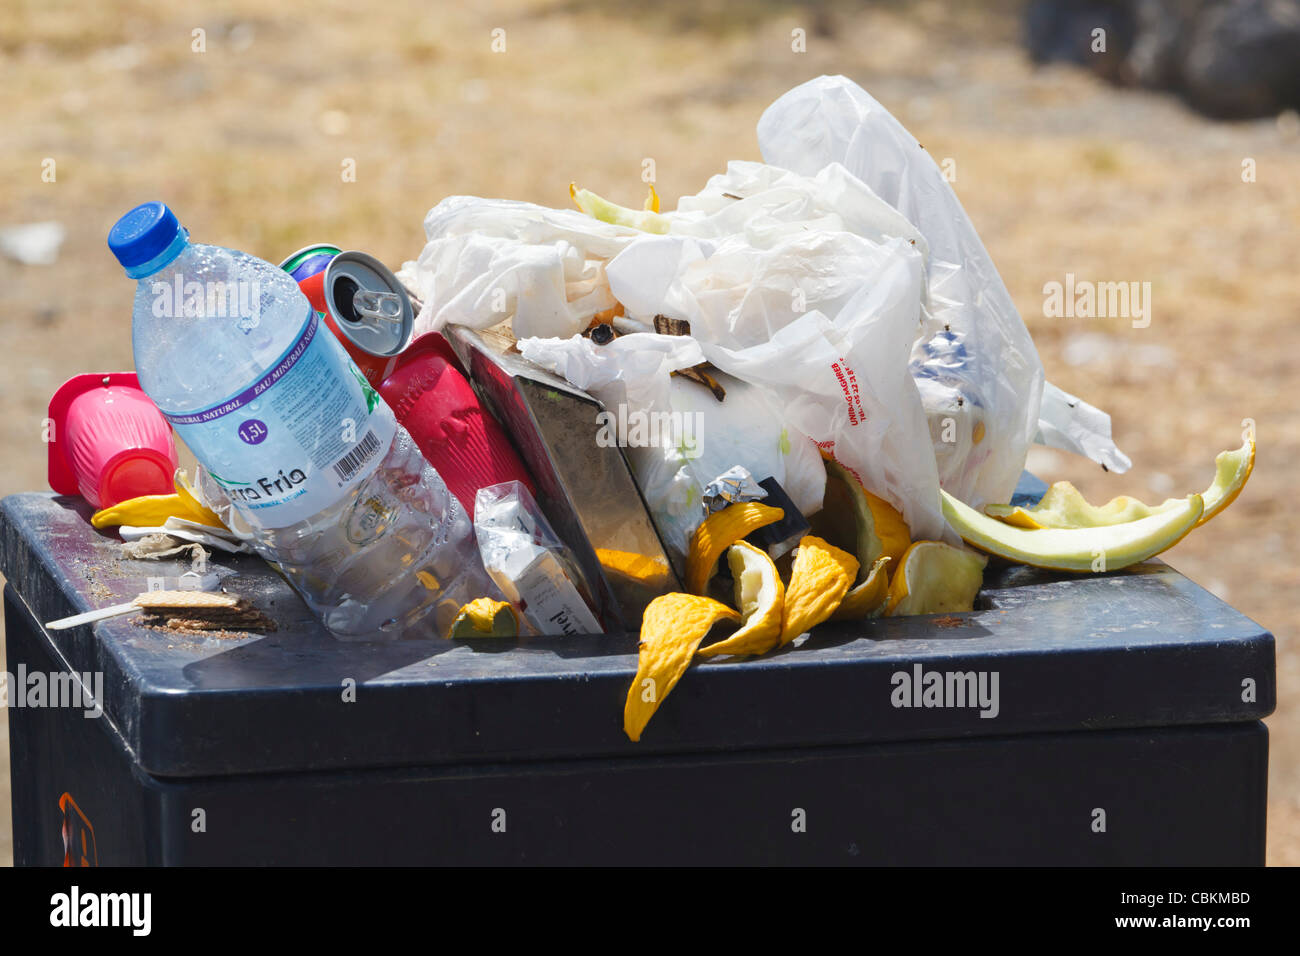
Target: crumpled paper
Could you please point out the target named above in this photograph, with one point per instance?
(158, 546)
(182, 530)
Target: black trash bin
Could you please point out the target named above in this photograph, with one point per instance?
(1101, 719)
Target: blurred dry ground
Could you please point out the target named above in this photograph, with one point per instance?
(247, 137)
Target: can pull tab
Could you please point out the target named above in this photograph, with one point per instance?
(383, 306)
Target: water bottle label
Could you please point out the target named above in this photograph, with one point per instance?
(297, 440)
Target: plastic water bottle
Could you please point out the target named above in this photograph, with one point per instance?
(320, 478)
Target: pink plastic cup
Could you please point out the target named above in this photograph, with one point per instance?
(109, 442)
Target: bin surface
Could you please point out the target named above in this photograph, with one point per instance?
(1120, 724)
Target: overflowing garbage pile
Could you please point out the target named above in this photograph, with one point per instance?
(803, 395)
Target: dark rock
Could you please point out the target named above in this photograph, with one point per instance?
(1164, 29)
(1243, 60)
(1231, 59)
(1061, 31)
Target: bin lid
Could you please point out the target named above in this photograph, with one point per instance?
(1141, 647)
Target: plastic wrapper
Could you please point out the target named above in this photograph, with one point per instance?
(529, 563)
(1071, 424)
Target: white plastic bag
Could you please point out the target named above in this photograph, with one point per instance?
(492, 260)
(980, 376)
(1069, 423)
(821, 318)
(973, 346)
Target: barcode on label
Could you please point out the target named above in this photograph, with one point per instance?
(347, 466)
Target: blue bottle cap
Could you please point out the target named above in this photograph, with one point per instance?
(143, 234)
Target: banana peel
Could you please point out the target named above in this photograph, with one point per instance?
(181, 482)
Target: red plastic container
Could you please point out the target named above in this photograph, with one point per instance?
(435, 402)
(108, 441)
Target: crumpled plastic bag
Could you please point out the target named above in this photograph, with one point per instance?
(973, 346)
(763, 202)
(492, 260)
(980, 376)
(698, 437)
(821, 318)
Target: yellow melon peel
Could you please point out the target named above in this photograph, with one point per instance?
(1232, 469)
(935, 578)
(1064, 506)
(879, 529)
(671, 631)
(1106, 548)
(485, 617)
(760, 596)
(868, 598)
(819, 578)
(717, 533)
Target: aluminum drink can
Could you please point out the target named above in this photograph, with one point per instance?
(366, 308)
(309, 260)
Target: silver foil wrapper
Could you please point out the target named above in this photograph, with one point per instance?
(734, 484)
